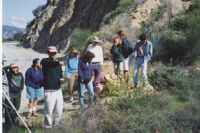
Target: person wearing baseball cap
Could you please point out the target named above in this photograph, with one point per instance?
(16, 85)
(71, 70)
(52, 87)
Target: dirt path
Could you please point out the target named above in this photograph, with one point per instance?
(23, 58)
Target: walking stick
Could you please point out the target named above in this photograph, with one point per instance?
(16, 111)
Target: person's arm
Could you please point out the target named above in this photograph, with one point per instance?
(130, 46)
(150, 50)
(66, 66)
(135, 49)
(27, 77)
(80, 72)
(61, 75)
(6, 85)
(102, 59)
(49, 62)
(22, 82)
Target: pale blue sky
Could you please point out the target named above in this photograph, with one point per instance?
(19, 12)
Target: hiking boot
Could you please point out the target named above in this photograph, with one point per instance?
(29, 115)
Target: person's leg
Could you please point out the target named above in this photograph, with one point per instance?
(18, 100)
(82, 92)
(12, 99)
(30, 95)
(94, 67)
(71, 81)
(135, 73)
(121, 67)
(126, 68)
(115, 68)
(90, 91)
(144, 73)
(30, 108)
(35, 107)
(99, 68)
(49, 106)
(58, 107)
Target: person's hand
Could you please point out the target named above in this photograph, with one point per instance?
(93, 78)
(62, 63)
(62, 80)
(8, 97)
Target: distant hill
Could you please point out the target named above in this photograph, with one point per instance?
(9, 31)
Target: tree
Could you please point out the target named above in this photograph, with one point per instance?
(37, 10)
(18, 36)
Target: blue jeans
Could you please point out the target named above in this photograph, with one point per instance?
(143, 64)
(82, 92)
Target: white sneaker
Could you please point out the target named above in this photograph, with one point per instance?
(71, 99)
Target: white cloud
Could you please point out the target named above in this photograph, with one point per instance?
(18, 24)
(18, 18)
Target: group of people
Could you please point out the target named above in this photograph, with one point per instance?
(87, 68)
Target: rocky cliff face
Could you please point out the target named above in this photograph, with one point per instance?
(57, 20)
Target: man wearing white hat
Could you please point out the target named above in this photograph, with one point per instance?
(97, 61)
(52, 88)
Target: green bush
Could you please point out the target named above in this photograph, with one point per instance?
(79, 38)
(125, 3)
(37, 10)
(18, 36)
(113, 14)
(158, 13)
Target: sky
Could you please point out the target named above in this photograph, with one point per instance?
(19, 12)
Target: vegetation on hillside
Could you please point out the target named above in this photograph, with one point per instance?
(17, 37)
(173, 106)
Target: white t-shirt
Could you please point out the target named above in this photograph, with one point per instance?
(98, 52)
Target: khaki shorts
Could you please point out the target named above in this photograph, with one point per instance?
(127, 63)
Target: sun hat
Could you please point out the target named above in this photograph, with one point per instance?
(13, 65)
(52, 49)
(96, 39)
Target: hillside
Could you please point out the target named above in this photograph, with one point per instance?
(9, 31)
(173, 105)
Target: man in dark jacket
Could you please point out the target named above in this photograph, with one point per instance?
(52, 82)
(127, 50)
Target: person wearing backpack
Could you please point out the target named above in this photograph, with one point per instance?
(127, 50)
(117, 56)
(71, 70)
(143, 52)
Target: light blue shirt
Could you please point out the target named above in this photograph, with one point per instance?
(71, 65)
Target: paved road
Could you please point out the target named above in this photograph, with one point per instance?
(23, 58)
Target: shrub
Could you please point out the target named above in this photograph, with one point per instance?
(158, 13)
(79, 38)
(18, 36)
(37, 10)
